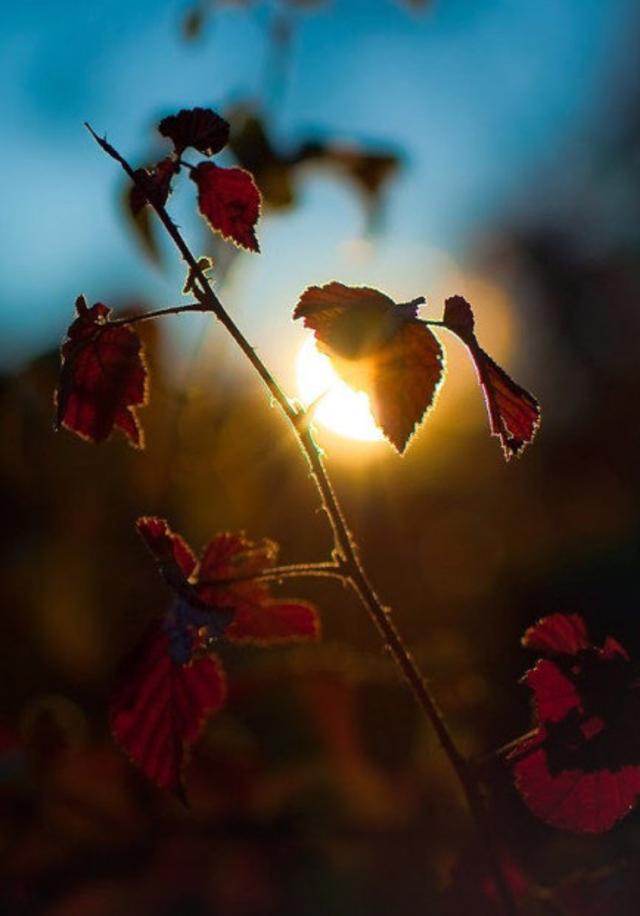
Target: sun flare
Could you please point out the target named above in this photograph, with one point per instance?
(340, 409)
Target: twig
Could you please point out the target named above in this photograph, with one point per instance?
(158, 313)
(345, 552)
(292, 571)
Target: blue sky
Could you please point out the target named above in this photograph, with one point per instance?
(482, 97)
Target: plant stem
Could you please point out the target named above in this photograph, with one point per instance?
(292, 571)
(504, 750)
(158, 313)
(345, 551)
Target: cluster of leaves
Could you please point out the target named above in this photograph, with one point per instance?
(276, 168)
(385, 350)
(228, 198)
(173, 681)
(580, 767)
(376, 346)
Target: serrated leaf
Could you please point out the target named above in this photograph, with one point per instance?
(199, 128)
(514, 414)
(103, 377)
(380, 348)
(258, 617)
(230, 203)
(580, 769)
(159, 707)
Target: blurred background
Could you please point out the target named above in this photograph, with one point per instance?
(425, 148)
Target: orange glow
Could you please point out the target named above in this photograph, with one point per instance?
(340, 409)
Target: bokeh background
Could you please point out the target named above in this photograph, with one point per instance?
(487, 149)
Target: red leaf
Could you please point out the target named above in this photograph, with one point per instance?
(230, 202)
(190, 615)
(514, 414)
(167, 687)
(224, 582)
(200, 128)
(228, 556)
(555, 695)
(572, 799)
(165, 545)
(103, 377)
(580, 769)
(380, 348)
(154, 183)
(159, 708)
(558, 633)
(269, 621)
(257, 616)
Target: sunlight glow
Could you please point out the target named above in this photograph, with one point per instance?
(341, 409)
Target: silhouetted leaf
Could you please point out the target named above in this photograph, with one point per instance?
(153, 183)
(514, 414)
(169, 548)
(230, 202)
(380, 348)
(103, 377)
(200, 128)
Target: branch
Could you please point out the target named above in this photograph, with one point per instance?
(158, 313)
(293, 571)
(345, 550)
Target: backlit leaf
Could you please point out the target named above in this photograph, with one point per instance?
(514, 414)
(159, 707)
(103, 378)
(166, 546)
(171, 682)
(258, 617)
(230, 202)
(380, 348)
(580, 769)
(177, 565)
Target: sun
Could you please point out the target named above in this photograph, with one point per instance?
(339, 409)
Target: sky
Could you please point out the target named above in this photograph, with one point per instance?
(481, 98)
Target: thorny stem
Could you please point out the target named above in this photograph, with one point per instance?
(294, 571)
(158, 313)
(345, 551)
